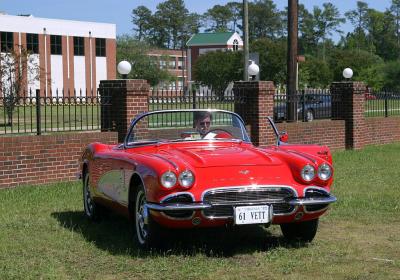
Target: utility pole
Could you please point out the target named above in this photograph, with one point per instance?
(246, 39)
(292, 59)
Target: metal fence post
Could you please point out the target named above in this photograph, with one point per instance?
(194, 98)
(303, 104)
(386, 105)
(38, 116)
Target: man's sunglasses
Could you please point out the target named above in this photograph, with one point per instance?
(205, 123)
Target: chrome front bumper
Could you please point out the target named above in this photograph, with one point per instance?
(202, 206)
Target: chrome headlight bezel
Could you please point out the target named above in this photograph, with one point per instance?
(186, 179)
(324, 172)
(308, 173)
(168, 179)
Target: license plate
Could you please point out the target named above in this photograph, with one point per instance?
(259, 214)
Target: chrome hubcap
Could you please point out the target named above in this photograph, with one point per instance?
(87, 198)
(141, 217)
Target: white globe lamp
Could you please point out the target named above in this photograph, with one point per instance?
(124, 68)
(253, 70)
(347, 73)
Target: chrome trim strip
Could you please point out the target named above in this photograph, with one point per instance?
(178, 206)
(251, 187)
(176, 194)
(312, 201)
(313, 212)
(318, 189)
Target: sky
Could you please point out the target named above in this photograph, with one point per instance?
(119, 11)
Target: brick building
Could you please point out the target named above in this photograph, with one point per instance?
(71, 54)
(202, 43)
(175, 61)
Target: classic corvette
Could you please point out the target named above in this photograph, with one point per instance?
(198, 168)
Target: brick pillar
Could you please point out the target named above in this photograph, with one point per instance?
(121, 101)
(254, 102)
(348, 103)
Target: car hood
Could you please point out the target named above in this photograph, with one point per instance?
(218, 156)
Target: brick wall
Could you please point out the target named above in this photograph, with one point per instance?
(382, 130)
(44, 159)
(330, 133)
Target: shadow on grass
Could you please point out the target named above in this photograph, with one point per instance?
(115, 235)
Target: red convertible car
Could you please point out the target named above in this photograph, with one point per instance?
(198, 168)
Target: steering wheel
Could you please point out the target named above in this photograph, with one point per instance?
(219, 133)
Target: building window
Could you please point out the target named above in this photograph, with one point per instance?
(172, 63)
(180, 83)
(100, 47)
(181, 62)
(163, 64)
(7, 41)
(235, 45)
(32, 43)
(55, 44)
(79, 46)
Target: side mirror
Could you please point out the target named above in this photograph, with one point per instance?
(283, 137)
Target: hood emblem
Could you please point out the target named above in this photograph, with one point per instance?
(244, 172)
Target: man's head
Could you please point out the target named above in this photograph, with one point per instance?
(202, 121)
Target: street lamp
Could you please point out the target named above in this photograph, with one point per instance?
(253, 70)
(124, 68)
(347, 73)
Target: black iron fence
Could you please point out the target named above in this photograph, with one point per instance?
(201, 98)
(35, 112)
(307, 105)
(384, 103)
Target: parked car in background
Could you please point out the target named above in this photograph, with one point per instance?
(314, 106)
(175, 170)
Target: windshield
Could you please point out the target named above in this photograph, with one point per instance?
(186, 125)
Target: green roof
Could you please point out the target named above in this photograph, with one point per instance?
(220, 38)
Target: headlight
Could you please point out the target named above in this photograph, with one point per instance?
(324, 172)
(186, 178)
(168, 179)
(308, 173)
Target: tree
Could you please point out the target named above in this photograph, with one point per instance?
(143, 66)
(272, 59)
(355, 59)
(236, 14)
(395, 10)
(391, 75)
(141, 18)
(173, 14)
(218, 69)
(192, 26)
(319, 73)
(218, 18)
(381, 32)
(327, 21)
(308, 42)
(264, 20)
(17, 69)
(359, 19)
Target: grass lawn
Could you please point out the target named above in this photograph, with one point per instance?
(44, 235)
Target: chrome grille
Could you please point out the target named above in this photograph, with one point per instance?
(223, 200)
(234, 196)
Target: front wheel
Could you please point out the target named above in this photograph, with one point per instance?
(92, 210)
(147, 231)
(303, 231)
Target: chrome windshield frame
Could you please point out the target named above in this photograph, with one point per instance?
(138, 117)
